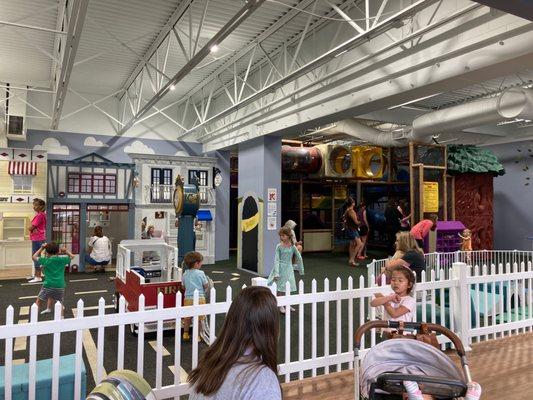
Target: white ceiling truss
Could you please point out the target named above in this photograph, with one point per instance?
(288, 64)
(147, 65)
(258, 70)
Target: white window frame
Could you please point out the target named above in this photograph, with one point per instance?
(22, 190)
(203, 189)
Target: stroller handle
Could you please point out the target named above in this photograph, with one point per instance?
(419, 326)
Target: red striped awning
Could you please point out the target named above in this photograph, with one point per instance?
(22, 168)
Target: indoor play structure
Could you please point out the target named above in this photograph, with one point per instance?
(156, 174)
(454, 182)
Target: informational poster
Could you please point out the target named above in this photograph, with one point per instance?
(272, 194)
(431, 197)
(271, 223)
(272, 209)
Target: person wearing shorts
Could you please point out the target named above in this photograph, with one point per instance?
(193, 279)
(53, 263)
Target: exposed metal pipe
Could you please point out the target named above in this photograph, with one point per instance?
(512, 103)
(355, 129)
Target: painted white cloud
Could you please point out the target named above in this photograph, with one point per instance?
(92, 142)
(138, 147)
(181, 153)
(52, 146)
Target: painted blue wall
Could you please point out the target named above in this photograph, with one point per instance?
(113, 149)
(513, 199)
(260, 169)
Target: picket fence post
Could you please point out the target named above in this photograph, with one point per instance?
(461, 312)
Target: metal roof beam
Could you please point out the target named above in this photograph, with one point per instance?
(68, 49)
(289, 15)
(355, 41)
(37, 28)
(226, 30)
(165, 31)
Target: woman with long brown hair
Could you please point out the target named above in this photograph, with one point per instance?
(242, 362)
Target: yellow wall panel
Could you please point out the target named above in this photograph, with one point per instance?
(20, 210)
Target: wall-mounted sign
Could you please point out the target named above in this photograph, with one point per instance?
(272, 194)
(272, 209)
(431, 197)
(271, 223)
(217, 177)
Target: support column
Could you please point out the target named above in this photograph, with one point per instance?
(222, 218)
(259, 171)
(83, 235)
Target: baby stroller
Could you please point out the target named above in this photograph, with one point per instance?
(388, 364)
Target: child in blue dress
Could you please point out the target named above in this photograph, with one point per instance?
(283, 270)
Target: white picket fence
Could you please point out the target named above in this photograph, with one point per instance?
(444, 261)
(476, 303)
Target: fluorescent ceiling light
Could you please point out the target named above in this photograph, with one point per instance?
(413, 101)
(341, 53)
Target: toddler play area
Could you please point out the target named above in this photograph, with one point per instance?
(266, 200)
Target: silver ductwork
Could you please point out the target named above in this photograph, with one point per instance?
(510, 104)
(360, 131)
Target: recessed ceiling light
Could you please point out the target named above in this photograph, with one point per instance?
(172, 87)
(214, 48)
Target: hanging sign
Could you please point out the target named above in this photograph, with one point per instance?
(431, 197)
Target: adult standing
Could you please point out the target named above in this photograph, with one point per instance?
(363, 230)
(421, 230)
(37, 235)
(99, 251)
(351, 228)
(392, 225)
(405, 216)
(413, 256)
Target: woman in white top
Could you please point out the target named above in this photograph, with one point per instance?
(99, 251)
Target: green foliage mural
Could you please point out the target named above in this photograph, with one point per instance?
(471, 159)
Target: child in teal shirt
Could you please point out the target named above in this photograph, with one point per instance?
(193, 279)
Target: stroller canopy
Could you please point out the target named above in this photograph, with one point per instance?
(406, 356)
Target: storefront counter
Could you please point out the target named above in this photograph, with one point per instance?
(15, 254)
